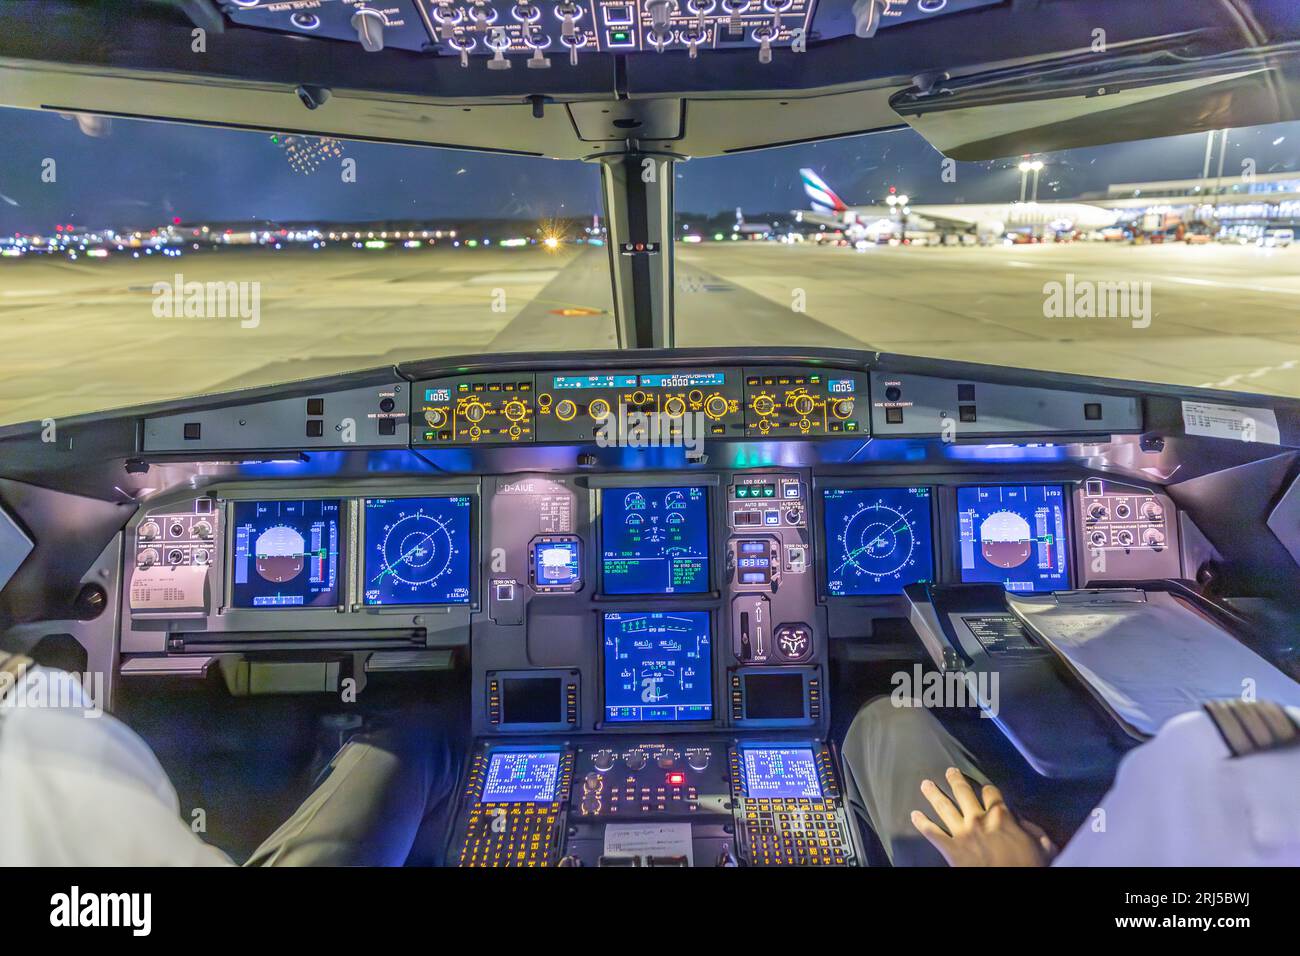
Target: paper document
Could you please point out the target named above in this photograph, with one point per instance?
(1151, 660)
(649, 839)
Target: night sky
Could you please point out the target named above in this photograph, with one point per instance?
(143, 174)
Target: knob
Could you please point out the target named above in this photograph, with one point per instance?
(1153, 538)
(175, 556)
(1098, 539)
(636, 760)
(1096, 512)
(590, 805)
(515, 410)
(665, 759)
(698, 760)
(1153, 510)
(803, 405)
(202, 529)
(598, 409)
(1122, 510)
(842, 408)
(675, 407)
(764, 405)
(1124, 537)
(565, 410)
(593, 781)
(716, 406)
(369, 25)
(436, 417)
(603, 760)
(475, 411)
(148, 558)
(201, 556)
(148, 531)
(893, 393)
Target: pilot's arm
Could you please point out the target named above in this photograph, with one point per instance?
(1214, 787)
(79, 788)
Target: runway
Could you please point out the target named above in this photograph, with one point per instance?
(82, 336)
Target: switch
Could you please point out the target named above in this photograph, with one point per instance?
(894, 416)
(1092, 411)
(966, 412)
(315, 406)
(193, 431)
(315, 428)
(388, 426)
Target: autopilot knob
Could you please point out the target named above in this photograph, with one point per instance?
(476, 411)
(842, 408)
(803, 405)
(436, 417)
(764, 405)
(516, 410)
(636, 760)
(603, 760)
(369, 25)
(716, 405)
(565, 410)
(675, 407)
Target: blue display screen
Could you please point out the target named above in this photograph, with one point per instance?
(562, 382)
(781, 772)
(655, 540)
(286, 554)
(658, 666)
(556, 565)
(524, 776)
(1013, 535)
(683, 379)
(877, 539)
(417, 550)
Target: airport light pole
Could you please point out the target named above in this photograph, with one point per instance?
(1026, 167)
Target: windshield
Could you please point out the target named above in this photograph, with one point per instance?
(1168, 260)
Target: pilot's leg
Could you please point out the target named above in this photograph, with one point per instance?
(887, 752)
(380, 791)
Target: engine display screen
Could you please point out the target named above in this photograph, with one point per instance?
(417, 550)
(655, 540)
(782, 772)
(1013, 535)
(878, 540)
(658, 666)
(523, 776)
(286, 554)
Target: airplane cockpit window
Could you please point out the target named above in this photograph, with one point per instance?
(674, 434)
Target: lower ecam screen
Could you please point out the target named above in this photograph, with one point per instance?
(655, 540)
(658, 666)
(285, 554)
(1013, 535)
(525, 776)
(781, 772)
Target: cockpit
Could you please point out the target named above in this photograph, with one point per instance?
(637, 572)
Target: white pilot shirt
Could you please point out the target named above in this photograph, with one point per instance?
(77, 790)
(1181, 799)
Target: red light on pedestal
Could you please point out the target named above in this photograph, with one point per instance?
(676, 778)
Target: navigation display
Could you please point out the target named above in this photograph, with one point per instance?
(1013, 535)
(655, 540)
(524, 776)
(877, 540)
(783, 772)
(417, 550)
(286, 554)
(658, 666)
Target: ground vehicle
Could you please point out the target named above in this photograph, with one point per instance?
(138, 523)
(1277, 238)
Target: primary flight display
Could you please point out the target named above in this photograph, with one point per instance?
(285, 554)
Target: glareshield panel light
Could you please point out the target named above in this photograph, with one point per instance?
(658, 666)
(525, 776)
(417, 550)
(655, 540)
(285, 554)
(783, 772)
(877, 540)
(1013, 535)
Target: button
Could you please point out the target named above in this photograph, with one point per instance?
(315, 428)
(894, 416)
(193, 431)
(388, 426)
(385, 405)
(966, 412)
(315, 406)
(1092, 411)
(505, 590)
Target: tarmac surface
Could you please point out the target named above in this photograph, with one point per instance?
(78, 336)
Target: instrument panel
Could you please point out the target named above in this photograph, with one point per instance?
(650, 408)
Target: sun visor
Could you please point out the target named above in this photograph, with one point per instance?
(981, 118)
(15, 546)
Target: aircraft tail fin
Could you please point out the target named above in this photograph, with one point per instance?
(822, 196)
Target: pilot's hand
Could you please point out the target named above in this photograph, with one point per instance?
(976, 833)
